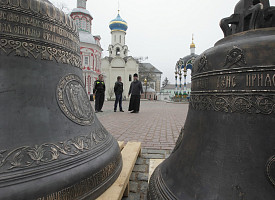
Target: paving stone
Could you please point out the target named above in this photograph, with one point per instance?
(140, 168)
(140, 161)
(144, 186)
(133, 176)
(144, 150)
(132, 196)
(154, 156)
(157, 125)
(154, 151)
(133, 186)
(142, 176)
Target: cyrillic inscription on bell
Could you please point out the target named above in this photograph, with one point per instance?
(52, 145)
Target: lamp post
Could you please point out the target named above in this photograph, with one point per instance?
(145, 82)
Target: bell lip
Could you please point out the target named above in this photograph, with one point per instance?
(110, 155)
(246, 34)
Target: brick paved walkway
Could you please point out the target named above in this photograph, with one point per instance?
(157, 125)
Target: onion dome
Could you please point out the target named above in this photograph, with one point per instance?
(118, 24)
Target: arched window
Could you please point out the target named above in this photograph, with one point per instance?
(83, 24)
(77, 23)
(88, 27)
(117, 51)
(120, 38)
(89, 84)
(95, 62)
(92, 61)
(130, 77)
(115, 38)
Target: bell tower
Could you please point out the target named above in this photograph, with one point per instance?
(118, 28)
(81, 4)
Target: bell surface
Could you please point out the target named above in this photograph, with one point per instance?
(52, 144)
(226, 150)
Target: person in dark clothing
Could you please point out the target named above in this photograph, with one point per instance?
(135, 91)
(99, 92)
(118, 89)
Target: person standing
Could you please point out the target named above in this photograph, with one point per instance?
(118, 89)
(135, 91)
(99, 92)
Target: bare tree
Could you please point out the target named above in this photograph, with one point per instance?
(165, 82)
(145, 73)
(61, 5)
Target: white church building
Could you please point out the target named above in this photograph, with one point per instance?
(118, 63)
(90, 48)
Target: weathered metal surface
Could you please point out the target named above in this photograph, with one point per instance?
(52, 145)
(227, 147)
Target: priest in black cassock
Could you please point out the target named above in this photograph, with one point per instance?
(135, 91)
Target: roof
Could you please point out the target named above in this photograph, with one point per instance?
(187, 58)
(86, 37)
(149, 89)
(173, 86)
(118, 24)
(148, 67)
(81, 10)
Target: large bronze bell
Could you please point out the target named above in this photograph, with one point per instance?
(52, 145)
(226, 150)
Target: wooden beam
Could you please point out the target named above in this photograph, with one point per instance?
(121, 145)
(129, 156)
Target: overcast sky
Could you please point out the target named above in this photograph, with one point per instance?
(161, 29)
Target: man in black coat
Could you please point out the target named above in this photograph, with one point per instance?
(135, 91)
(99, 91)
(118, 89)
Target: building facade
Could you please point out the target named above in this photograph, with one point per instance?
(151, 74)
(90, 48)
(118, 63)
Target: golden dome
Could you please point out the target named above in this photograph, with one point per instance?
(193, 44)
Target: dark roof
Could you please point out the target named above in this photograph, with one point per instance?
(187, 58)
(148, 67)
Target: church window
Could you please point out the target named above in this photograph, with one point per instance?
(95, 62)
(86, 60)
(83, 24)
(130, 77)
(88, 27)
(77, 23)
(117, 51)
(115, 37)
(120, 38)
(92, 62)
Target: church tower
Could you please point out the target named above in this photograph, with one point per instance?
(90, 48)
(81, 4)
(118, 63)
(118, 28)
